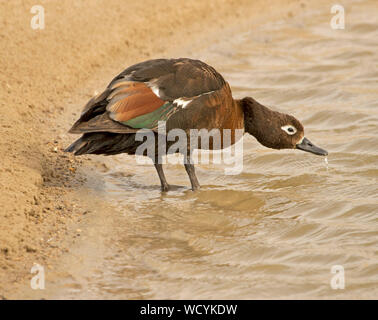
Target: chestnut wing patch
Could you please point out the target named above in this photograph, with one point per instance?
(130, 100)
(135, 104)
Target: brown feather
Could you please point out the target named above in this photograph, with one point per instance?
(101, 123)
(133, 101)
(95, 100)
(129, 95)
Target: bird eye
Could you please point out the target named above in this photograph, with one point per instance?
(289, 129)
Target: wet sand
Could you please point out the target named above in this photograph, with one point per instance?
(100, 225)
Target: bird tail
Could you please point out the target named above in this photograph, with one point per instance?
(102, 143)
(80, 146)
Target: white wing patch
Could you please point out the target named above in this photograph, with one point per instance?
(182, 102)
(154, 87)
(155, 90)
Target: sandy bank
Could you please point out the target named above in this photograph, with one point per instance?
(48, 75)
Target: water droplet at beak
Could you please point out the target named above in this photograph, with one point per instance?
(308, 146)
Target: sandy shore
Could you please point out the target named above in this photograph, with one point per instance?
(48, 75)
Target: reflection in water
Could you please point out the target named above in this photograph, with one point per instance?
(276, 229)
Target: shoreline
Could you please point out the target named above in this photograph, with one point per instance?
(45, 88)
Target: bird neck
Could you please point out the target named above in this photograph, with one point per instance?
(259, 121)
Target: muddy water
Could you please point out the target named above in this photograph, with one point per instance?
(276, 229)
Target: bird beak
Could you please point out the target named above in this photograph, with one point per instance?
(306, 145)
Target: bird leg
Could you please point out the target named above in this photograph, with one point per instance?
(189, 167)
(163, 181)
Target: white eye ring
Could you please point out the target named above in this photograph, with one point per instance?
(290, 130)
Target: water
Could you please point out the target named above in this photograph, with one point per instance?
(277, 229)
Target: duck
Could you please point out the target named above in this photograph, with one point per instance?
(183, 94)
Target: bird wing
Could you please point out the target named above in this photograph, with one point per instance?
(146, 93)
